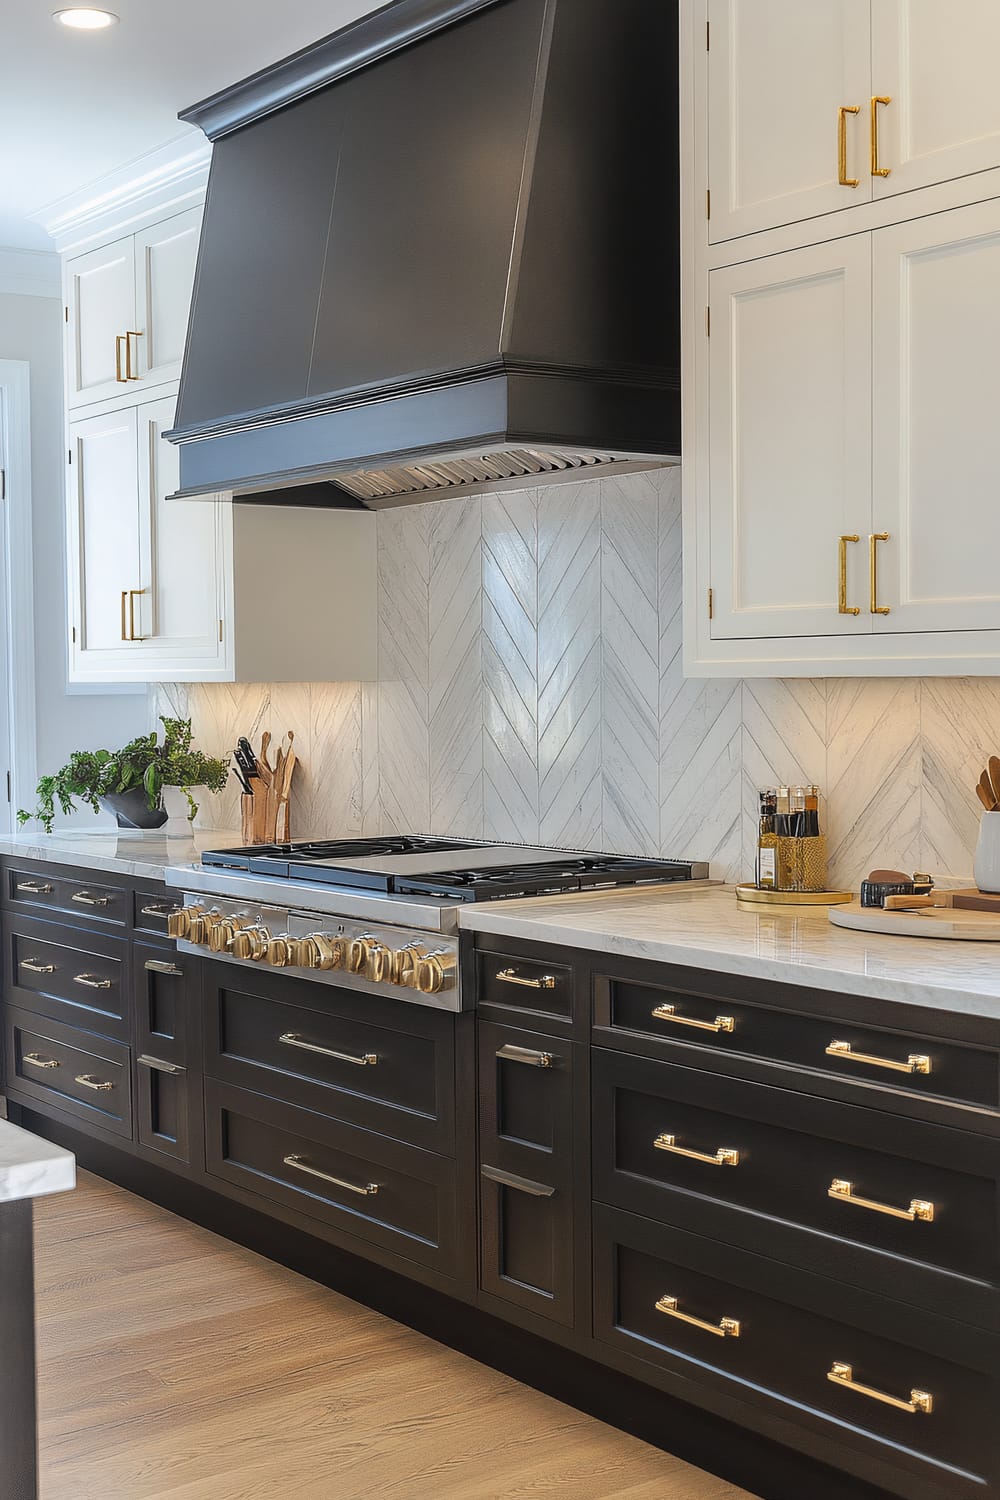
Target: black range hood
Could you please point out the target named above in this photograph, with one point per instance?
(440, 254)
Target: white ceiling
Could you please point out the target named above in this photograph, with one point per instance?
(75, 105)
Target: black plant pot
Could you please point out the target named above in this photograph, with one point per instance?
(133, 810)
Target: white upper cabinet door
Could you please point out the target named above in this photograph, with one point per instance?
(790, 446)
(936, 399)
(181, 562)
(165, 257)
(103, 533)
(780, 73)
(100, 296)
(936, 62)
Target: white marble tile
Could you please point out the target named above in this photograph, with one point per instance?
(873, 776)
(403, 654)
(335, 770)
(510, 665)
(959, 731)
(456, 668)
(784, 743)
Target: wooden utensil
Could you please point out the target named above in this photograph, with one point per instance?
(986, 798)
(994, 770)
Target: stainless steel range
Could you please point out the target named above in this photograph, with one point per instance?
(378, 915)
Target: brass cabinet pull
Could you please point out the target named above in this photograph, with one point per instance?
(509, 1053)
(919, 1208)
(878, 99)
(367, 1190)
(99, 1085)
(292, 1039)
(92, 981)
(668, 1013)
(161, 909)
(842, 177)
(34, 967)
(510, 976)
(843, 608)
(133, 594)
(120, 338)
(38, 1061)
(161, 966)
(842, 1374)
(133, 333)
(84, 898)
(724, 1157)
(873, 541)
(34, 888)
(158, 1065)
(124, 613)
(519, 1184)
(916, 1062)
(726, 1328)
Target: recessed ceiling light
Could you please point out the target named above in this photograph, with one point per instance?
(84, 18)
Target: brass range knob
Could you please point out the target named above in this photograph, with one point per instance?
(317, 950)
(405, 961)
(359, 951)
(222, 934)
(436, 972)
(251, 942)
(179, 922)
(278, 952)
(202, 925)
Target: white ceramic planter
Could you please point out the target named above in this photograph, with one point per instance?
(986, 867)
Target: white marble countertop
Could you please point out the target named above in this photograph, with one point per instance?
(710, 929)
(31, 1167)
(144, 853)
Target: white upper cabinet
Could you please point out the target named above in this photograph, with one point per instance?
(790, 468)
(104, 531)
(165, 257)
(780, 73)
(100, 302)
(936, 62)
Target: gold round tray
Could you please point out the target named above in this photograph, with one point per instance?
(749, 892)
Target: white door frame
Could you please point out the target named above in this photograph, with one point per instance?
(17, 579)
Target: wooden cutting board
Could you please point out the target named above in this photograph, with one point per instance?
(932, 922)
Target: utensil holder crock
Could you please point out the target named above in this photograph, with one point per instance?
(986, 867)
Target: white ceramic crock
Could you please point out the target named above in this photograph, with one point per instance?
(986, 867)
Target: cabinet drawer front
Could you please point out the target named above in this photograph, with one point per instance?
(704, 1310)
(363, 1184)
(910, 1062)
(381, 1067)
(86, 901)
(526, 1243)
(63, 974)
(163, 1106)
(919, 1191)
(526, 1098)
(76, 1072)
(152, 909)
(532, 985)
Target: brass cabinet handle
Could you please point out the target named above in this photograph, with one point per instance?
(842, 113)
(35, 967)
(916, 1062)
(843, 608)
(38, 1061)
(724, 1157)
(34, 888)
(133, 333)
(510, 976)
(668, 1013)
(133, 594)
(919, 1208)
(519, 1184)
(161, 966)
(725, 1328)
(878, 99)
(509, 1053)
(158, 1065)
(84, 898)
(159, 909)
(99, 1085)
(124, 613)
(367, 1190)
(92, 981)
(120, 338)
(292, 1039)
(842, 1374)
(873, 541)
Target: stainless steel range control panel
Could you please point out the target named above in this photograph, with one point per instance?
(402, 962)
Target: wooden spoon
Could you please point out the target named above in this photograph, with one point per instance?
(986, 797)
(994, 770)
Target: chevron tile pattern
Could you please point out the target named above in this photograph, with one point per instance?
(510, 665)
(455, 668)
(404, 566)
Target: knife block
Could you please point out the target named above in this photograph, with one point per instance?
(265, 817)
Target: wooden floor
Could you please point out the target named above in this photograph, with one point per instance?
(172, 1363)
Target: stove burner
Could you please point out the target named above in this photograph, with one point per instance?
(587, 872)
(280, 859)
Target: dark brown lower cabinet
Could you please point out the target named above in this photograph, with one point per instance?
(168, 1104)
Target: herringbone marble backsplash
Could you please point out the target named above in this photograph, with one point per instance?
(530, 689)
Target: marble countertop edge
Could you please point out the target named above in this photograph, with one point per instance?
(31, 1167)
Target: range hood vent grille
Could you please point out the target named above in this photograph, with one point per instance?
(456, 473)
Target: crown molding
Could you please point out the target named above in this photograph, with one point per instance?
(30, 273)
(164, 181)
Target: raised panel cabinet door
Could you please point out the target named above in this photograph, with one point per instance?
(936, 64)
(779, 73)
(100, 298)
(179, 610)
(165, 256)
(936, 398)
(103, 532)
(790, 465)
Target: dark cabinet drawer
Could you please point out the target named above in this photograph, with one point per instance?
(663, 1133)
(152, 908)
(78, 1073)
(395, 1196)
(383, 1065)
(711, 1023)
(76, 977)
(876, 1377)
(166, 986)
(528, 984)
(40, 889)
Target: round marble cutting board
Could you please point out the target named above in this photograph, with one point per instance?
(931, 922)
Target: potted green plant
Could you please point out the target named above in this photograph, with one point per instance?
(130, 781)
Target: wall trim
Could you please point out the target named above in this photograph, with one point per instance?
(30, 273)
(19, 612)
(162, 182)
